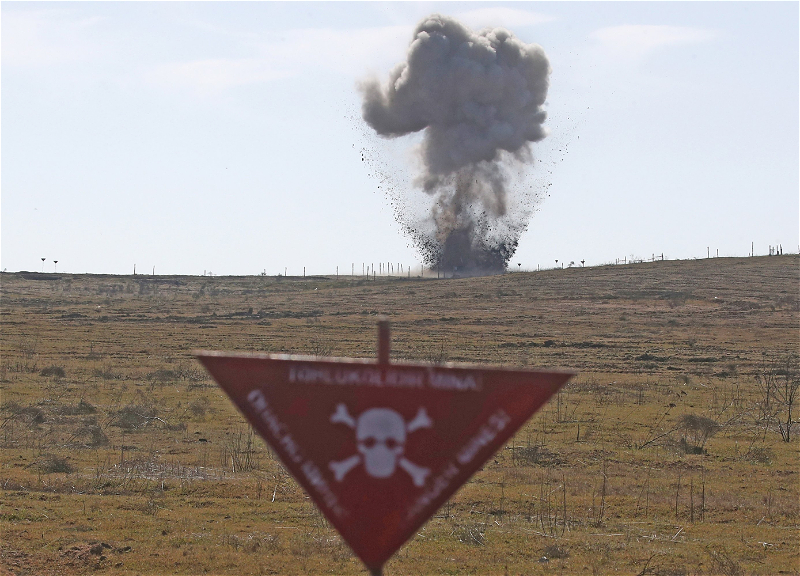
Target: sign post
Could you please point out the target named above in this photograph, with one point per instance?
(380, 446)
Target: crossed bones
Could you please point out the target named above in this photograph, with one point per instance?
(381, 436)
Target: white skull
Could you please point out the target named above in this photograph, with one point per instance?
(381, 437)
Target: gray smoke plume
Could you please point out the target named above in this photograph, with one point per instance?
(478, 98)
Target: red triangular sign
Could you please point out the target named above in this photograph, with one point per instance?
(380, 447)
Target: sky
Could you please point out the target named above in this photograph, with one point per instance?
(227, 138)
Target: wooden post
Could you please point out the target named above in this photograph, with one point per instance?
(703, 497)
(384, 341)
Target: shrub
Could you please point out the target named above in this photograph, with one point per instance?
(723, 563)
(162, 375)
(759, 455)
(554, 551)
(53, 371)
(32, 414)
(52, 464)
(530, 455)
(199, 407)
(700, 428)
(82, 407)
(133, 417)
(778, 383)
(91, 434)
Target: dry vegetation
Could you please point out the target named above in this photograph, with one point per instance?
(666, 456)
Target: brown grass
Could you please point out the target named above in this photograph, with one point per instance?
(120, 456)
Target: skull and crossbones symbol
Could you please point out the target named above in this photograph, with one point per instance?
(381, 438)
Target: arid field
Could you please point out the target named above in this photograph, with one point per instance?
(672, 453)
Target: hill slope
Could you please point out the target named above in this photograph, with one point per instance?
(663, 456)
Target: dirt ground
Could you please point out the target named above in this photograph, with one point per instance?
(666, 455)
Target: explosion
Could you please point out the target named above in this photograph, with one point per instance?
(477, 98)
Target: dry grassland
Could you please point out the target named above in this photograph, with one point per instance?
(664, 457)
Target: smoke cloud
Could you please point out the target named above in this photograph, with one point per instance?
(477, 97)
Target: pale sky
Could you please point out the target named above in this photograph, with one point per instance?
(227, 137)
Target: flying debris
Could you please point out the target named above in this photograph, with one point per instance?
(477, 98)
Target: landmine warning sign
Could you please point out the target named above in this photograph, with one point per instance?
(380, 447)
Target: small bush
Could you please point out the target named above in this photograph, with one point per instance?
(530, 455)
(150, 507)
(690, 448)
(199, 407)
(759, 455)
(32, 414)
(722, 563)
(554, 552)
(90, 434)
(133, 417)
(700, 428)
(52, 464)
(84, 407)
(11, 407)
(53, 372)
(81, 408)
(162, 375)
(106, 374)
